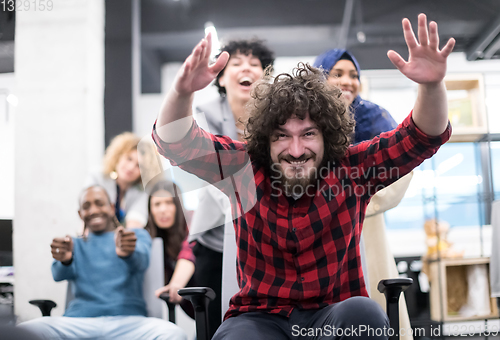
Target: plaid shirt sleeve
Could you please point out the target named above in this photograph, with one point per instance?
(212, 158)
(186, 252)
(381, 161)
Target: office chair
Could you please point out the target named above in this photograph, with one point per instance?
(200, 297)
(153, 279)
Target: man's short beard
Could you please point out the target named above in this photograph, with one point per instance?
(296, 185)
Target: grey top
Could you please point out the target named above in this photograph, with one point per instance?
(207, 224)
(134, 203)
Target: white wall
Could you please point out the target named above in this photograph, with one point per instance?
(59, 60)
(7, 124)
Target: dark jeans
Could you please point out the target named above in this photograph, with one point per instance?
(208, 273)
(357, 318)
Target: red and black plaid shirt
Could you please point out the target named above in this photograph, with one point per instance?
(304, 253)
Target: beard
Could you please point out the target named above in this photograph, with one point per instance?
(295, 179)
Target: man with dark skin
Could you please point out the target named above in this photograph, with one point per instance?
(106, 269)
(95, 211)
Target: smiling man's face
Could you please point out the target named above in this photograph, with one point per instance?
(297, 150)
(96, 211)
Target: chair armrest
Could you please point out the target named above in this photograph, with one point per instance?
(165, 297)
(200, 297)
(44, 305)
(196, 292)
(171, 306)
(392, 289)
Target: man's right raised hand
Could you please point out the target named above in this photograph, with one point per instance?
(62, 248)
(196, 73)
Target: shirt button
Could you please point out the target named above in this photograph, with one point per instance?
(302, 279)
(294, 229)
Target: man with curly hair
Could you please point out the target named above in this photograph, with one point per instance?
(299, 191)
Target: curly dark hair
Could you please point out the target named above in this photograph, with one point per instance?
(254, 47)
(304, 91)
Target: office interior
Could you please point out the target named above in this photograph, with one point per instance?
(74, 76)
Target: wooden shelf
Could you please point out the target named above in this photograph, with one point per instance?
(466, 107)
(449, 288)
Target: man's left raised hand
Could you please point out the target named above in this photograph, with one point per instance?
(426, 63)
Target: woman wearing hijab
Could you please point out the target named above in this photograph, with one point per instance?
(342, 70)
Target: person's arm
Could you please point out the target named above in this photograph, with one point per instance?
(388, 197)
(62, 251)
(134, 247)
(375, 164)
(427, 67)
(211, 158)
(379, 162)
(195, 74)
(184, 270)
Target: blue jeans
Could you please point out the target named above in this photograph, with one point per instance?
(356, 318)
(104, 327)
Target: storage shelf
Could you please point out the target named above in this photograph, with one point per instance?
(448, 273)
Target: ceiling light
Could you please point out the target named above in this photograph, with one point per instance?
(361, 36)
(12, 100)
(210, 28)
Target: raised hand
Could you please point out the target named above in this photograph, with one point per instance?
(426, 63)
(196, 73)
(125, 241)
(62, 248)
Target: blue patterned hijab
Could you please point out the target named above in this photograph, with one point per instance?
(371, 119)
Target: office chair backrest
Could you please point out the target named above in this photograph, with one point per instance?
(229, 278)
(154, 278)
